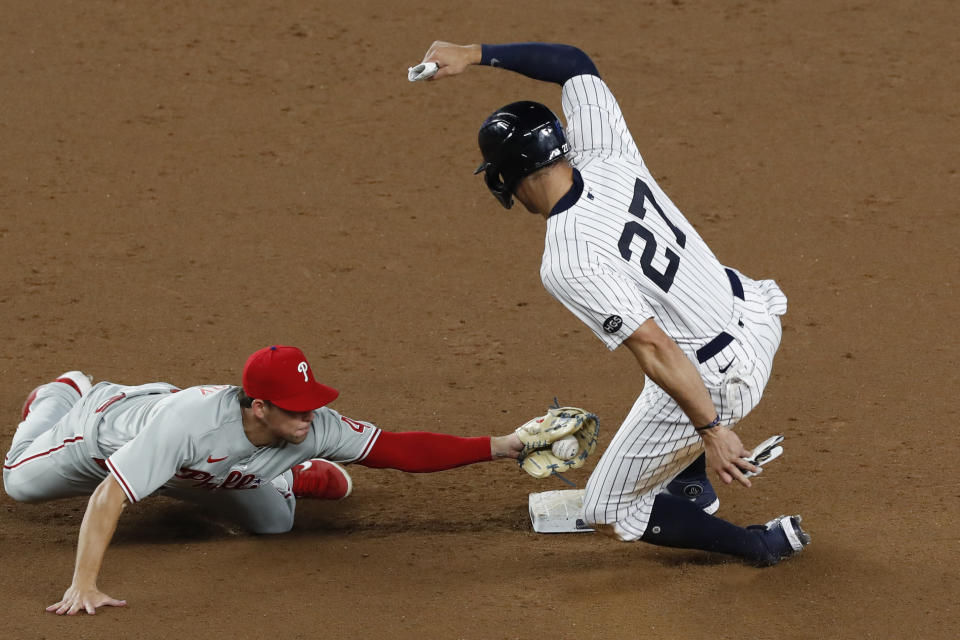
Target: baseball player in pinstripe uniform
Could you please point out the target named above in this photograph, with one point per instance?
(245, 453)
(621, 257)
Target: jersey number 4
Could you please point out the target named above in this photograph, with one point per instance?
(663, 279)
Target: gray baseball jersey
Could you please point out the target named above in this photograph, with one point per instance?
(188, 443)
(194, 439)
(619, 252)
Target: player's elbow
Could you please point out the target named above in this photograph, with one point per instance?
(581, 62)
(648, 339)
(108, 497)
(585, 65)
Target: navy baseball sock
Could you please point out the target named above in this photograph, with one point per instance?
(696, 470)
(675, 522)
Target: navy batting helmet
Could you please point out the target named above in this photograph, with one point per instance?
(516, 140)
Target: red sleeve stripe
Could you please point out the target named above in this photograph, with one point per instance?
(369, 445)
(45, 453)
(123, 483)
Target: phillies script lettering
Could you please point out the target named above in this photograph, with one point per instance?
(204, 480)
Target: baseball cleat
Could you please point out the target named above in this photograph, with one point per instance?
(77, 380)
(698, 491)
(321, 479)
(782, 538)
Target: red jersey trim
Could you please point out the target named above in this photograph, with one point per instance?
(123, 483)
(369, 446)
(70, 382)
(105, 405)
(16, 464)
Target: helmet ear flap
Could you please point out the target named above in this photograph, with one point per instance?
(498, 187)
(495, 183)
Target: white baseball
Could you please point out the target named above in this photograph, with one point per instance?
(565, 448)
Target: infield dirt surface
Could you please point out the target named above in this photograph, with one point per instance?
(182, 183)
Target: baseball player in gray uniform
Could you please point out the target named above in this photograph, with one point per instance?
(244, 452)
(623, 258)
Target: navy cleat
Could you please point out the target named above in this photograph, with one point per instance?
(782, 537)
(697, 490)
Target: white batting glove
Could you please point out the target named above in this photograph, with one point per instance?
(422, 71)
(764, 452)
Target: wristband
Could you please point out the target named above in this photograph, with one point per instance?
(715, 423)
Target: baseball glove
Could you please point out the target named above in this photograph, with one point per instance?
(539, 434)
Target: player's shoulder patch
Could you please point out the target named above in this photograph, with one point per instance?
(612, 324)
(211, 389)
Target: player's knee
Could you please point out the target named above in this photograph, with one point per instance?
(19, 491)
(273, 527)
(594, 512)
(601, 519)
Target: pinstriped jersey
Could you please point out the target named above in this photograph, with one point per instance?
(623, 253)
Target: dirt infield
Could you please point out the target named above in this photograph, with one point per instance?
(182, 183)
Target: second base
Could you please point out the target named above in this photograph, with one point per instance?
(558, 512)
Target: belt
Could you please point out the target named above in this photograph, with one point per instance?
(717, 345)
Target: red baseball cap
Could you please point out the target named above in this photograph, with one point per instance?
(283, 376)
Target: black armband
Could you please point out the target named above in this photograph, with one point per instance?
(715, 423)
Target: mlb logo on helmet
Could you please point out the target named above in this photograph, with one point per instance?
(282, 375)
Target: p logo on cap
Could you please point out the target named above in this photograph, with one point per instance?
(283, 376)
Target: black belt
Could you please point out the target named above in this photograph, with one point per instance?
(735, 283)
(717, 345)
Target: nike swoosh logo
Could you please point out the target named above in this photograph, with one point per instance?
(724, 369)
(212, 459)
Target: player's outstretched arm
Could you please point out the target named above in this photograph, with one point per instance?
(99, 523)
(665, 363)
(538, 60)
(452, 58)
(426, 452)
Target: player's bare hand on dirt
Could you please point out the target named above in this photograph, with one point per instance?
(726, 455)
(76, 600)
(452, 58)
(508, 446)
